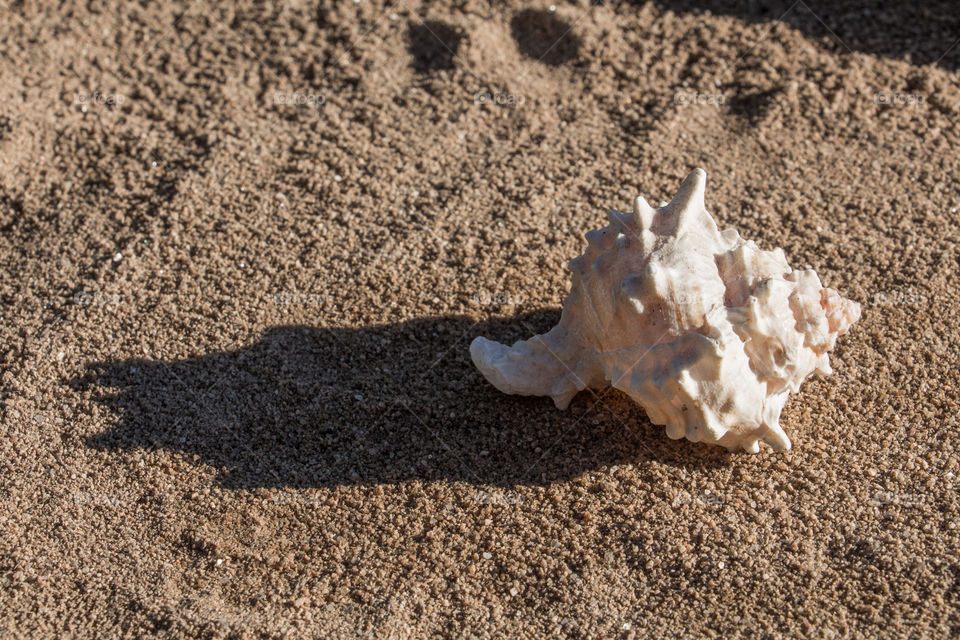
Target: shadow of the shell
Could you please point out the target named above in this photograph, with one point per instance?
(310, 407)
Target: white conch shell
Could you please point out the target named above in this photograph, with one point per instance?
(703, 329)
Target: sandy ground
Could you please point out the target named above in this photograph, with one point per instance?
(244, 247)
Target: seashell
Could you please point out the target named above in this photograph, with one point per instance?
(703, 329)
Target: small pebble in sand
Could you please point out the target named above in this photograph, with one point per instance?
(118, 257)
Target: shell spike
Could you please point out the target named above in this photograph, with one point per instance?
(643, 212)
(689, 201)
(776, 438)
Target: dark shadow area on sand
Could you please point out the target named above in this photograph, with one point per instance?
(544, 37)
(433, 45)
(312, 407)
(924, 32)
